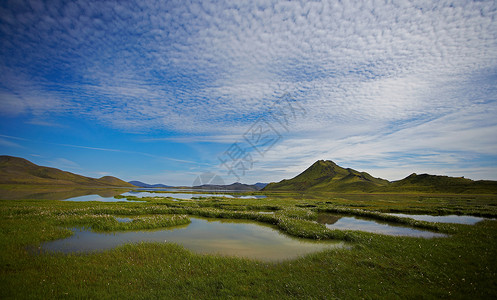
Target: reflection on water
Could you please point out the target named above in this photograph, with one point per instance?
(187, 196)
(154, 195)
(328, 219)
(469, 220)
(103, 195)
(57, 192)
(123, 220)
(98, 198)
(227, 237)
(368, 225)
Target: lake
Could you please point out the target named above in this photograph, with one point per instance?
(183, 196)
(187, 196)
(107, 194)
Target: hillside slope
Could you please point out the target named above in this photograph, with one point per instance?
(443, 184)
(16, 170)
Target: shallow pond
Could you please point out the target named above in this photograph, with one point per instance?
(204, 236)
(469, 220)
(356, 223)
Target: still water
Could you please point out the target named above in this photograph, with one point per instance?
(187, 196)
(98, 198)
(184, 196)
(204, 236)
(356, 223)
(469, 220)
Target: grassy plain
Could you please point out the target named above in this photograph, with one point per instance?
(375, 266)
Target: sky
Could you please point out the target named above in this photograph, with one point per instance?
(250, 91)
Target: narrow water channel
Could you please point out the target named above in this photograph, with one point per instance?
(469, 220)
(364, 224)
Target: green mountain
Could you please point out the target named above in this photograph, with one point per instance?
(16, 170)
(326, 176)
(443, 184)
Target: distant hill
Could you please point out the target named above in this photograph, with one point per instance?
(443, 184)
(228, 187)
(261, 185)
(326, 176)
(146, 185)
(114, 181)
(16, 170)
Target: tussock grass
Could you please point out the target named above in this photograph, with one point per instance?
(109, 223)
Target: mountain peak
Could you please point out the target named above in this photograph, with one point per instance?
(323, 162)
(326, 174)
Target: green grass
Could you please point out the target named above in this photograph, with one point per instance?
(374, 266)
(110, 223)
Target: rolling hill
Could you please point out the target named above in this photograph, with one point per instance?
(228, 187)
(326, 176)
(16, 170)
(443, 184)
(146, 185)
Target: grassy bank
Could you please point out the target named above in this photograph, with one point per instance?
(375, 266)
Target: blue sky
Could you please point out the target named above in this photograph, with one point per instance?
(162, 91)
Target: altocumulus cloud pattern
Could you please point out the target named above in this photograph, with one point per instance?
(377, 79)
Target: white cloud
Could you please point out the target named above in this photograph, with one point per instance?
(231, 59)
(10, 144)
(10, 104)
(221, 139)
(64, 164)
(41, 122)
